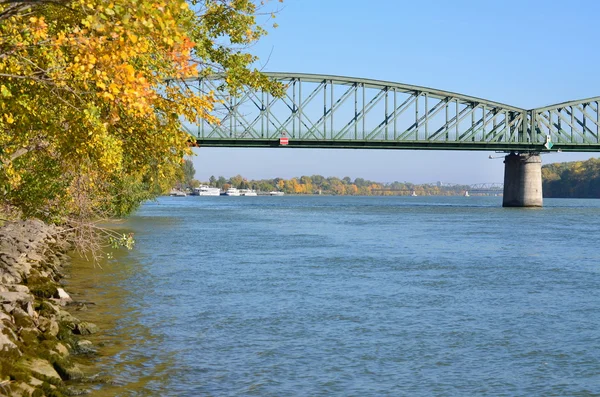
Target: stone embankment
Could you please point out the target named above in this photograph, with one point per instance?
(37, 334)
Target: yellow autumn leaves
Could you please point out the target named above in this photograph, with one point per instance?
(84, 104)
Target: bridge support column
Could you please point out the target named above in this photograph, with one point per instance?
(522, 180)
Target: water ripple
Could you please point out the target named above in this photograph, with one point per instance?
(350, 296)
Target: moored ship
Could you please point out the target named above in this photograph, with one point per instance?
(232, 191)
(248, 192)
(204, 190)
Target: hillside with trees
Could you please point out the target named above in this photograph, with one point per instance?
(577, 179)
(317, 184)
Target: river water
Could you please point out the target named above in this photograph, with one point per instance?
(349, 296)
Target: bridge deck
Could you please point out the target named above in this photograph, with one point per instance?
(406, 145)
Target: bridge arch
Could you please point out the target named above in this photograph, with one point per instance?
(336, 111)
(346, 112)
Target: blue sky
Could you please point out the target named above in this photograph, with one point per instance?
(524, 53)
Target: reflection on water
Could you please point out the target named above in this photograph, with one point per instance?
(349, 296)
(129, 355)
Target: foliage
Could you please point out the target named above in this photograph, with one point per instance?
(317, 184)
(189, 172)
(93, 97)
(578, 179)
(185, 177)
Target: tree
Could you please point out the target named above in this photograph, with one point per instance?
(307, 185)
(93, 95)
(360, 182)
(212, 180)
(236, 181)
(189, 172)
(221, 182)
(264, 186)
(352, 189)
(317, 180)
(579, 179)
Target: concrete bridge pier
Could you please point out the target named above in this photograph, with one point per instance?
(522, 180)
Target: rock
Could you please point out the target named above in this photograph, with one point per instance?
(35, 381)
(9, 329)
(63, 297)
(41, 286)
(22, 319)
(7, 346)
(15, 297)
(10, 279)
(29, 309)
(61, 349)
(85, 328)
(84, 346)
(31, 256)
(66, 317)
(21, 389)
(25, 268)
(48, 325)
(34, 257)
(62, 294)
(44, 324)
(54, 328)
(29, 336)
(68, 371)
(49, 308)
(20, 288)
(42, 367)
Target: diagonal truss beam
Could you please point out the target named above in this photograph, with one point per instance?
(323, 110)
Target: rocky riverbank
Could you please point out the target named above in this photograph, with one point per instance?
(38, 336)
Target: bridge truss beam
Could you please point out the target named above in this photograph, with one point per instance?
(322, 111)
(575, 123)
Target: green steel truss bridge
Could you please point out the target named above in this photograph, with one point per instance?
(486, 188)
(321, 111)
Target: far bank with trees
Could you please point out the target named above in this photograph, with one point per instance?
(318, 184)
(576, 179)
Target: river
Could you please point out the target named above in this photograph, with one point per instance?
(361, 296)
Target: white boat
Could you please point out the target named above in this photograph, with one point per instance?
(247, 192)
(466, 193)
(414, 194)
(232, 191)
(274, 193)
(204, 190)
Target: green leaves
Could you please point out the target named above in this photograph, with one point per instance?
(88, 127)
(5, 92)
